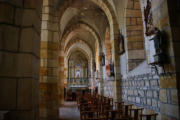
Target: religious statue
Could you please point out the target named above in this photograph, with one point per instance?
(148, 18)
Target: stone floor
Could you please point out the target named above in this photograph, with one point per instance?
(69, 111)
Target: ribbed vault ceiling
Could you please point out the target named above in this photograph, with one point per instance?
(82, 11)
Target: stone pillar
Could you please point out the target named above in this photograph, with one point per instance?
(19, 58)
(134, 34)
(169, 83)
(100, 75)
(49, 63)
(117, 75)
(62, 76)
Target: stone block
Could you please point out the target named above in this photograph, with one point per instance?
(52, 54)
(128, 21)
(16, 3)
(137, 5)
(21, 115)
(134, 27)
(53, 46)
(133, 21)
(154, 82)
(166, 82)
(25, 65)
(44, 45)
(164, 21)
(56, 36)
(30, 18)
(174, 96)
(30, 43)
(170, 110)
(154, 103)
(130, 4)
(45, 25)
(54, 27)
(9, 37)
(142, 83)
(43, 63)
(136, 54)
(45, 17)
(176, 33)
(135, 38)
(156, 94)
(149, 102)
(36, 67)
(48, 10)
(6, 13)
(52, 72)
(131, 65)
(52, 63)
(138, 100)
(24, 94)
(135, 45)
(49, 79)
(163, 95)
(135, 92)
(8, 91)
(8, 63)
(47, 3)
(46, 35)
(147, 83)
(34, 4)
(149, 94)
(133, 13)
(176, 48)
(135, 33)
(144, 101)
(18, 16)
(43, 54)
(139, 21)
(43, 71)
(141, 93)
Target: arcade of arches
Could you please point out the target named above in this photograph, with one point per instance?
(127, 50)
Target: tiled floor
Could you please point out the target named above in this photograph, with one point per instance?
(69, 111)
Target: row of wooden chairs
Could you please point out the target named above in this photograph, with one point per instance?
(96, 107)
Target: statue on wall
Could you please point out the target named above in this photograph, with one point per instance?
(121, 44)
(148, 18)
(78, 74)
(102, 59)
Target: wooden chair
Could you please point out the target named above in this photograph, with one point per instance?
(148, 116)
(135, 113)
(119, 108)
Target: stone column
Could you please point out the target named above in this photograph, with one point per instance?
(62, 75)
(19, 58)
(49, 63)
(117, 75)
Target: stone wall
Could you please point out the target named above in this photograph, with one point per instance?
(19, 58)
(174, 13)
(157, 93)
(168, 82)
(142, 90)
